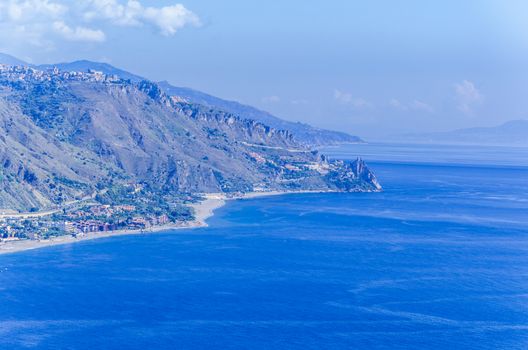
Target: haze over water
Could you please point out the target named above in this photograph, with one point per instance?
(437, 261)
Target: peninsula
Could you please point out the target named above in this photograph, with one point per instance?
(85, 154)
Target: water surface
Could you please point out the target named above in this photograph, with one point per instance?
(437, 261)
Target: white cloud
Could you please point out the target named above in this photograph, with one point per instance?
(44, 22)
(467, 95)
(271, 99)
(28, 22)
(348, 99)
(170, 19)
(22, 11)
(167, 19)
(78, 33)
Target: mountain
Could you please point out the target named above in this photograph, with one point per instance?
(512, 133)
(303, 133)
(87, 66)
(66, 135)
(10, 60)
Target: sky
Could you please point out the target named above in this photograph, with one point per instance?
(372, 68)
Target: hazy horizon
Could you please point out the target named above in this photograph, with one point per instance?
(346, 66)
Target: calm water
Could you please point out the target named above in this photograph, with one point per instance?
(437, 261)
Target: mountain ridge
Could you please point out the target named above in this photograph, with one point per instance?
(311, 135)
(11, 60)
(306, 134)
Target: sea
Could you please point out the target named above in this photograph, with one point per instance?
(438, 260)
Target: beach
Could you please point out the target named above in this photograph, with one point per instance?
(202, 211)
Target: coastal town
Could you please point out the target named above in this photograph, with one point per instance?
(98, 218)
(88, 219)
(27, 232)
(132, 207)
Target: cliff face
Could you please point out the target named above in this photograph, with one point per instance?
(65, 135)
(303, 133)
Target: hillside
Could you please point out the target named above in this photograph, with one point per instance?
(67, 135)
(10, 60)
(303, 133)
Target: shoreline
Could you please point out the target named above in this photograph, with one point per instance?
(203, 211)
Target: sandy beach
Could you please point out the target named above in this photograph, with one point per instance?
(203, 210)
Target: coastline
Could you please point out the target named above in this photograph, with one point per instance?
(203, 211)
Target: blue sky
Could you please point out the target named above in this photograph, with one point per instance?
(372, 68)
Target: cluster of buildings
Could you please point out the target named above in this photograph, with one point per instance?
(22, 73)
(104, 218)
(26, 228)
(100, 210)
(98, 218)
(135, 223)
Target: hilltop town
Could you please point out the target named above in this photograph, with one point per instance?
(29, 74)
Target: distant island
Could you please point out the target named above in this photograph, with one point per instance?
(512, 133)
(84, 152)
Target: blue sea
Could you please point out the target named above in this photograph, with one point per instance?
(439, 260)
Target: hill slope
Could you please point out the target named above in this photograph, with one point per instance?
(303, 133)
(10, 60)
(65, 135)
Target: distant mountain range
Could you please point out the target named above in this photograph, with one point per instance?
(8, 59)
(68, 134)
(303, 133)
(512, 133)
